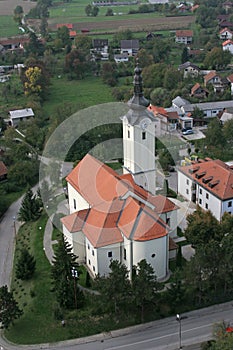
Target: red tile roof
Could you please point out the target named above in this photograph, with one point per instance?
(67, 25)
(210, 76)
(74, 222)
(160, 110)
(225, 30)
(114, 209)
(230, 78)
(184, 33)
(214, 175)
(227, 42)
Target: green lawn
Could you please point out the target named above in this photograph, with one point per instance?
(81, 93)
(8, 27)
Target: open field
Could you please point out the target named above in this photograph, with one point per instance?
(148, 22)
(7, 6)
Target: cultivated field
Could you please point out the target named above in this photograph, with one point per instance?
(135, 24)
(7, 6)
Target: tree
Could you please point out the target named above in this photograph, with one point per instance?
(36, 79)
(64, 35)
(35, 46)
(109, 73)
(109, 12)
(29, 210)
(115, 289)
(83, 43)
(217, 58)
(9, 310)
(65, 286)
(25, 266)
(228, 131)
(153, 75)
(24, 172)
(144, 280)
(76, 64)
(144, 58)
(88, 10)
(95, 11)
(165, 159)
(184, 55)
(202, 228)
(214, 134)
(172, 77)
(18, 14)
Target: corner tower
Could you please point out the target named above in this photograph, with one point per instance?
(139, 138)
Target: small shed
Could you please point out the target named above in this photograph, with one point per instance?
(18, 115)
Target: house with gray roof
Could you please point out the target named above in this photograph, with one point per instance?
(19, 115)
(130, 47)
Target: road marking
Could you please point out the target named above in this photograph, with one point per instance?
(157, 338)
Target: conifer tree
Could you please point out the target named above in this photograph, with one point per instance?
(9, 310)
(145, 286)
(65, 285)
(25, 266)
(29, 210)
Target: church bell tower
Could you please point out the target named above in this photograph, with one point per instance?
(139, 138)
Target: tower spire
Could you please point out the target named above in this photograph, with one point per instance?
(138, 99)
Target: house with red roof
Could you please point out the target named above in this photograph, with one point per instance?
(228, 46)
(119, 216)
(167, 120)
(225, 34)
(208, 183)
(184, 36)
(198, 91)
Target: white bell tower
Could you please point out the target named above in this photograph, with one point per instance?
(139, 138)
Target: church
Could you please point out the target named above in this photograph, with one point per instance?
(120, 217)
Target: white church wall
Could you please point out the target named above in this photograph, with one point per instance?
(155, 252)
(77, 242)
(105, 255)
(76, 201)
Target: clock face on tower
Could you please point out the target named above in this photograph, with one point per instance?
(144, 123)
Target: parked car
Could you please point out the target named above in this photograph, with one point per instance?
(187, 132)
(187, 128)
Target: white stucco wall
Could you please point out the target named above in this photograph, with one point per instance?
(104, 259)
(184, 186)
(139, 153)
(155, 252)
(73, 195)
(91, 258)
(77, 241)
(227, 206)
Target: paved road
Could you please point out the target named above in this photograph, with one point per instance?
(159, 335)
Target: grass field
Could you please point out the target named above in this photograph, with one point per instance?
(8, 27)
(81, 93)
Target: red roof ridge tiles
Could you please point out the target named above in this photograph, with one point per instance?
(219, 173)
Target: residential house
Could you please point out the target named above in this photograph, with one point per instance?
(121, 58)
(184, 36)
(168, 121)
(130, 47)
(208, 183)
(18, 115)
(3, 171)
(15, 43)
(227, 5)
(113, 218)
(100, 49)
(228, 46)
(67, 25)
(225, 34)
(215, 80)
(226, 115)
(210, 109)
(189, 69)
(199, 92)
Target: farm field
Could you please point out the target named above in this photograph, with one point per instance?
(146, 23)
